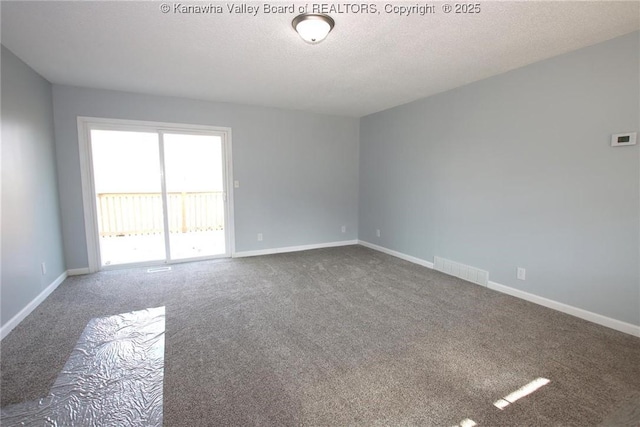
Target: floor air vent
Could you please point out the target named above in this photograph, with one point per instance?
(464, 272)
(158, 269)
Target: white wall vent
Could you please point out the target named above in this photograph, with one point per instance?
(464, 272)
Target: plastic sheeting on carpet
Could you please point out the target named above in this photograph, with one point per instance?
(114, 377)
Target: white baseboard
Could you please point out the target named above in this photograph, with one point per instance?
(294, 248)
(397, 254)
(77, 271)
(618, 325)
(15, 320)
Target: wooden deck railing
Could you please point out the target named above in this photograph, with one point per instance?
(139, 214)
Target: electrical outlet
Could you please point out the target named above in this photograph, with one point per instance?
(378, 233)
(521, 274)
(259, 237)
(43, 267)
(344, 229)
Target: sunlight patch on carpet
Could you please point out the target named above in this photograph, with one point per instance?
(520, 393)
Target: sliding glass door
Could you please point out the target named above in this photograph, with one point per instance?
(128, 191)
(159, 196)
(195, 195)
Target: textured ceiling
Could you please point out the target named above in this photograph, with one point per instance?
(369, 62)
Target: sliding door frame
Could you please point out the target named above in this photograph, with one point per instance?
(87, 124)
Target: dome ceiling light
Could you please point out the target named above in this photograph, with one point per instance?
(313, 27)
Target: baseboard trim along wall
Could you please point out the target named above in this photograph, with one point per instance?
(22, 314)
(568, 309)
(618, 325)
(272, 251)
(396, 254)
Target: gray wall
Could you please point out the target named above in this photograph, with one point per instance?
(517, 170)
(31, 232)
(298, 172)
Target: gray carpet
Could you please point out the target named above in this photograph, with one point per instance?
(343, 336)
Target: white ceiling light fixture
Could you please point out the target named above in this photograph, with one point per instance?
(313, 27)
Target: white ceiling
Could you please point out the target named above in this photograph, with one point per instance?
(369, 62)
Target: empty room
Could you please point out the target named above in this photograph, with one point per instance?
(320, 214)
